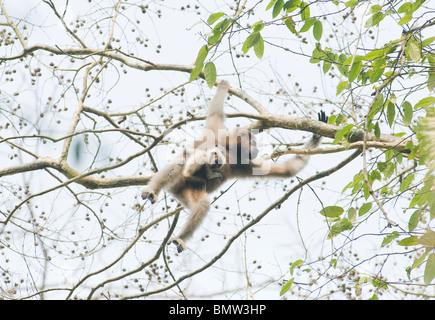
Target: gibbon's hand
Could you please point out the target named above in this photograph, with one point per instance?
(322, 116)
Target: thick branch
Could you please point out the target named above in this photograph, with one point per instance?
(323, 129)
(89, 182)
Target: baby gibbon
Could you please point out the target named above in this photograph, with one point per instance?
(218, 156)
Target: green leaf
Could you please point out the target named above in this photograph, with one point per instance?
(375, 8)
(295, 264)
(422, 195)
(271, 4)
(375, 175)
(258, 26)
(376, 74)
(222, 26)
(407, 113)
(351, 214)
(429, 270)
(215, 17)
(286, 287)
(416, 5)
(351, 3)
(356, 181)
(364, 209)
(355, 70)
(210, 74)
(259, 48)
(427, 41)
(290, 24)
(410, 241)
(413, 220)
(389, 238)
(308, 24)
(413, 51)
(366, 191)
(377, 105)
(352, 59)
(431, 81)
(214, 38)
(404, 7)
(305, 11)
(318, 55)
(341, 86)
(425, 102)
(217, 31)
(374, 54)
(250, 41)
(378, 70)
(428, 239)
(378, 283)
(332, 211)
(418, 261)
(405, 19)
(202, 54)
(292, 5)
(391, 113)
(377, 130)
(406, 182)
(196, 72)
(375, 19)
(342, 225)
(326, 66)
(342, 132)
(277, 8)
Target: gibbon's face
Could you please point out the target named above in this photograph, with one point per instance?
(216, 157)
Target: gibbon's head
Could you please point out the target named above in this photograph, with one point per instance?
(216, 156)
(241, 147)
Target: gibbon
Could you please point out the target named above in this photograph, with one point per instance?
(216, 157)
(200, 164)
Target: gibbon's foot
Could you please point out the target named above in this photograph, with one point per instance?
(179, 243)
(150, 195)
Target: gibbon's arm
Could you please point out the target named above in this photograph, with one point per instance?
(216, 115)
(291, 167)
(169, 175)
(195, 158)
(267, 168)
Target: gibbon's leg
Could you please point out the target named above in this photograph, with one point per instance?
(216, 116)
(169, 175)
(198, 203)
(291, 167)
(297, 163)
